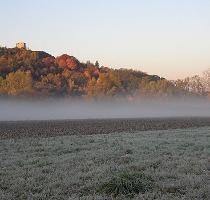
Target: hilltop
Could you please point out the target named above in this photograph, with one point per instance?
(36, 73)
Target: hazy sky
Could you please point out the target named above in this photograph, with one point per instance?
(170, 38)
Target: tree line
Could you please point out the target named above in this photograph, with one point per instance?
(37, 73)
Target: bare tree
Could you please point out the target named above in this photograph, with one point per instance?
(196, 85)
(206, 80)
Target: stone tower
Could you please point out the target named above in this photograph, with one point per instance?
(21, 45)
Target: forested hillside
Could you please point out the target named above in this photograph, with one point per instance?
(36, 73)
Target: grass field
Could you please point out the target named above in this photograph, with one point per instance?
(162, 164)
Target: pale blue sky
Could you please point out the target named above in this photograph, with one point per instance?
(170, 38)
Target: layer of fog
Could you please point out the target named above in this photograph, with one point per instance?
(69, 109)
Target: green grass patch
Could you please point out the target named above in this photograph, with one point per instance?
(126, 183)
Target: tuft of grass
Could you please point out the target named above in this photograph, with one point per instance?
(126, 183)
(129, 151)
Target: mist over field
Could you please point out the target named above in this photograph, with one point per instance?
(68, 109)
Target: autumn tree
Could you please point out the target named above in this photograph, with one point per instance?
(77, 84)
(108, 84)
(18, 83)
(2, 86)
(158, 88)
(91, 88)
(51, 84)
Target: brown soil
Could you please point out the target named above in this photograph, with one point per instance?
(21, 129)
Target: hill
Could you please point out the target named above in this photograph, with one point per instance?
(36, 73)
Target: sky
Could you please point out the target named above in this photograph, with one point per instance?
(170, 38)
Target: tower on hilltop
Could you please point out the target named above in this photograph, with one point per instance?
(21, 45)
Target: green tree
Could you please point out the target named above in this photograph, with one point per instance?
(97, 64)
